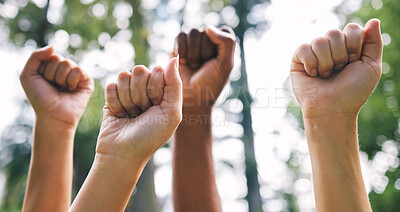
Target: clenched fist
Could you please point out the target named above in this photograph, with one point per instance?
(56, 87)
(337, 73)
(206, 60)
(142, 111)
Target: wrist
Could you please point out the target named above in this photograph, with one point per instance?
(55, 124)
(114, 161)
(333, 132)
(329, 120)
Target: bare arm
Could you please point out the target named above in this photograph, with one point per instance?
(194, 187)
(129, 136)
(332, 78)
(193, 167)
(338, 182)
(50, 174)
(58, 91)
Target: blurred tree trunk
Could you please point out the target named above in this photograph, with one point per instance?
(253, 196)
(44, 25)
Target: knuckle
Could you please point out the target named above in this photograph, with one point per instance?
(353, 26)
(139, 70)
(55, 58)
(180, 37)
(123, 75)
(319, 42)
(194, 31)
(158, 70)
(334, 33)
(111, 87)
(303, 48)
(65, 64)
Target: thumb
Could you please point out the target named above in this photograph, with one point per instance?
(37, 57)
(225, 40)
(173, 83)
(373, 45)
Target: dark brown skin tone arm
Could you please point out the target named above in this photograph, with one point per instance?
(194, 187)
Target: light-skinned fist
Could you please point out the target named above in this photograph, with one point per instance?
(56, 87)
(142, 111)
(335, 74)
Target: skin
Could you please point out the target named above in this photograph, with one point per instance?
(332, 78)
(204, 75)
(58, 91)
(142, 111)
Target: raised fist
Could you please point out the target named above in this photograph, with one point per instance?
(142, 111)
(337, 73)
(56, 87)
(206, 60)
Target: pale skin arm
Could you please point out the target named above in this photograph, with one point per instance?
(332, 78)
(337, 177)
(142, 112)
(50, 174)
(194, 185)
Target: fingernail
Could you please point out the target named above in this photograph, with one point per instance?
(326, 74)
(314, 72)
(339, 67)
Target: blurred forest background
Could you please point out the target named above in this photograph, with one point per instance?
(106, 36)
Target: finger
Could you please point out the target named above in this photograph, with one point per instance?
(225, 44)
(193, 48)
(305, 60)
(155, 86)
(337, 43)
(373, 45)
(354, 35)
(181, 47)
(140, 77)
(123, 88)
(37, 57)
(73, 78)
(173, 84)
(208, 50)
(79, 81)
(51, 67)
(321, 49)
(112, 100)
(42, 67)
(62, 72)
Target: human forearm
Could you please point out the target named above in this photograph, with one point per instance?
(337, 176)
(193, 165)
(50, 175)
(109, 184)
